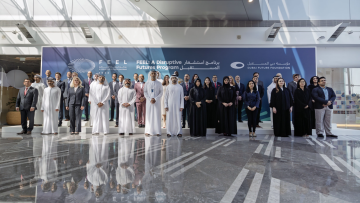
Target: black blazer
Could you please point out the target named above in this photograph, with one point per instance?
(261, 90)
(292, 86)
(117, 88)
(186, 92)
(61, 85)
(218, 84)
(76, 98)
(319, 97)
(241, 89)
(25, 102)
(86, 85)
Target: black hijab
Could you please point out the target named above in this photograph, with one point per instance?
(200, 86)
(226, 85)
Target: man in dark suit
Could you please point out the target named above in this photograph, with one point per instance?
(292, 86)
(48, 74)
(112, 86)
(117, 88)
(136, 80)
(324, 99)
(60, 84)
(67, 82)
(86, 84)
(241, 89)
(187, 85)
(26, 103)
(216, 85)
(256, 74)
(261, 91)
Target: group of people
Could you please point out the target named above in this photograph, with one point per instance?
(172, 102)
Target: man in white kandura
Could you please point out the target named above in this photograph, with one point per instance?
(92, 93)
(101, 99)
(126, 97)
(40, 86)
(50, 107)
(153, 91)
(174, 104)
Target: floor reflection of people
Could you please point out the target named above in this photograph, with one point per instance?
(125, 174)
(97, 166)
(151, 182)
(49, 165)
(174, 185)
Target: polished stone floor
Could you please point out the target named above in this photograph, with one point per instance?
(67, 168)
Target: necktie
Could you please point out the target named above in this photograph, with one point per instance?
(89, 81)
(215, 85)
(187, 87)
(25, 91)
(69, 81)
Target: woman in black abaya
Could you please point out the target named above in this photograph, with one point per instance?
(313, 84)
(211, 117)
(226, 96)
(197, 117)
(302, 105)
(282, 103)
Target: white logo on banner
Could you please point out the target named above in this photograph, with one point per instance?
(81, 65)
(237, 65)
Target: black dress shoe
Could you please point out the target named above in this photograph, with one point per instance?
(260, 121)
(334, 136)
(320, 135)
(28, 133)
(240, 121)
(111, 120)
(22, 132)
(59, 125)
(86, 120)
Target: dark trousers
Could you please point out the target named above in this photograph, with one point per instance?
(112, 107)
(87, 107)
(258, 113)
(27, 114)
(240, 105)
(75, 118)
(61, 114)
(67, 116)
(186, 111)
(117, 113)
(252, 119)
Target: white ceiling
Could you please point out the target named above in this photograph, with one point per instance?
(201, 9)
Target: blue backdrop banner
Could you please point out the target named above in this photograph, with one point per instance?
(205, 62)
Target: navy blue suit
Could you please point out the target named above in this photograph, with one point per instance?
(87, 90)
(241, 89)
(319, 97)
(186, 110)
(218, 84)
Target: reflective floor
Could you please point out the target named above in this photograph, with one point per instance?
(66, 168)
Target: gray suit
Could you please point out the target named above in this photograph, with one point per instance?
(292, 86)
(61, 84)
(87, 90)
(67, 82)
(112, 101)
(25, 102)
(74, 101)
(133, 84)
(118, 86)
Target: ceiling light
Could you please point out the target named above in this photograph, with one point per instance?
(28, 32)
(271, 33)
(338, 30)
(250, 1)
(87, 31)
